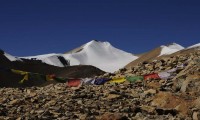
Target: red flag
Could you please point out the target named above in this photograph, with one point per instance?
(151, 76)
(73, 82)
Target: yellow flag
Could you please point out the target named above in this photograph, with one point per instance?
(26, 74)
(18, 72)
(25, 77)
(49, 77)
(117, 80)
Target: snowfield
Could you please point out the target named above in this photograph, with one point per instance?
(51, 59)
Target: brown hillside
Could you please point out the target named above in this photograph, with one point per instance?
(145, 57)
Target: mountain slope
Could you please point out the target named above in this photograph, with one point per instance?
(145, 57)
(51, 59)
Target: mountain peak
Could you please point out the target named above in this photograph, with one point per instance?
(96, 44)
(79, 49)
(174, 44)
(93, 42)
(96, 41)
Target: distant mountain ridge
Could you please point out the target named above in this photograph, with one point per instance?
(102, 55)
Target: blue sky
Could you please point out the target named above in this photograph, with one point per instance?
(32, 27)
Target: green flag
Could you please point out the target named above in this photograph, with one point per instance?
(61, 80)
(134, 78)
(36, 76)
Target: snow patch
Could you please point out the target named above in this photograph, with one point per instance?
(12, 58)
(194, 46)
(167, 50)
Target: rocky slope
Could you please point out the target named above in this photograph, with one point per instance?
(173, 98)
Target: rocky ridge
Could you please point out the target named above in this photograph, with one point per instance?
(174, 98)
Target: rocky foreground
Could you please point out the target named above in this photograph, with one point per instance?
(174, 98)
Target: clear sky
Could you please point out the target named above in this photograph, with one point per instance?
(32, 27)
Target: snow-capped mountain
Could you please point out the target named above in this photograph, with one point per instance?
(102, 55)
(172, 48)
(99, 54)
